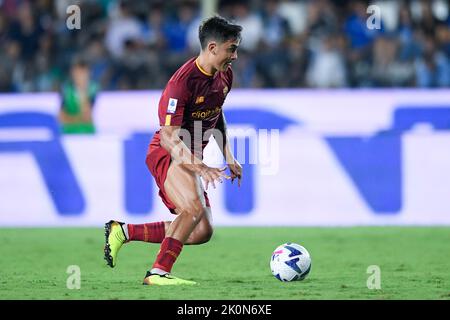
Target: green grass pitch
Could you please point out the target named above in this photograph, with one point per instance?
(414, 264)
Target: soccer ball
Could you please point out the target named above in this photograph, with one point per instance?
(290, 262)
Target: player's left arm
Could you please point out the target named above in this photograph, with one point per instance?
(222, 140)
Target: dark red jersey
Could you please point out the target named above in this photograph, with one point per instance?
(193, 99)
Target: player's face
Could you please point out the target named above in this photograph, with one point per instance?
(226, 53)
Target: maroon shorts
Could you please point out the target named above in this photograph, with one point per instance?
(158, 162)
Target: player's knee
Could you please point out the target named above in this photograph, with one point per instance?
(195, 209)
(207, 235)
(203, 235)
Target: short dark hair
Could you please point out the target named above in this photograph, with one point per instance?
(218, 28)
(79, 61)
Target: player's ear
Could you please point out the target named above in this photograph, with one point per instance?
(212, 47)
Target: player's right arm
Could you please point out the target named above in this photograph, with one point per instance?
(182, 155)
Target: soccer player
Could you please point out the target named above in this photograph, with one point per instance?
(78, 96)
(190, 111)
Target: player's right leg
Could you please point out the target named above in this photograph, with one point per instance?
(185, 191)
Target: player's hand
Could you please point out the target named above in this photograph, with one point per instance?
(210, 175)
(236, 171)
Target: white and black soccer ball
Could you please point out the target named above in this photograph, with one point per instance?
(290, 262)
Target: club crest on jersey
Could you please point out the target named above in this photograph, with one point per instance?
(172, 106)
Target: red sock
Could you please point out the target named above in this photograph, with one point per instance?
(149, 232)
(170, 249)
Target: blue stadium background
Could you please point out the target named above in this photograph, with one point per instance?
(363, 115)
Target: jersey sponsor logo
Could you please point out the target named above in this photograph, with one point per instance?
(200, 99)
(206, 114)
(172, 106)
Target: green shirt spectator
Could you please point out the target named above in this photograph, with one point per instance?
(77, 100)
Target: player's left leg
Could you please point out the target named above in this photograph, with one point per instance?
(118, 233)
(115, 238)
(154, 232)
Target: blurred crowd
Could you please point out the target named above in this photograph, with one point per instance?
(136, 44)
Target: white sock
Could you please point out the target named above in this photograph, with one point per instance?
(125, 230)
(158, 271)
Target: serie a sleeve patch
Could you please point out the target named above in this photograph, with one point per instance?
(172, 105)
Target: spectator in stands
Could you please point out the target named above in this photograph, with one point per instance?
(152, 32)
(47, 73)
(77, 99)
(122, 28)
(9, 63)
(133, 70)
(252, 27)
(100, 62)
(26, 30)
(409, 48)
(443, 38)
(176, 32)
(4, 27)
(428, 22)
(176, 28)
(298, 57)
(327, 68)
(272, 61)
(360, 43)
(134, 44)
(276, 29)
(387, 70)
(432, 68)
(321, 20)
